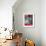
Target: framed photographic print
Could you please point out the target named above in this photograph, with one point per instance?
(28, 20)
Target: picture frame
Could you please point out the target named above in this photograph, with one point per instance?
(28, 19)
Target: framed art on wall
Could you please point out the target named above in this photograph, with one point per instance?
(28, 20)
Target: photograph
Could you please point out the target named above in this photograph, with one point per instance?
(28, 20)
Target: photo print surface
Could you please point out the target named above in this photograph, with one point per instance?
(28, 20)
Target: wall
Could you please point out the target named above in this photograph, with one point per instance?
(6, 13)
(43, 22)
(32, 6)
